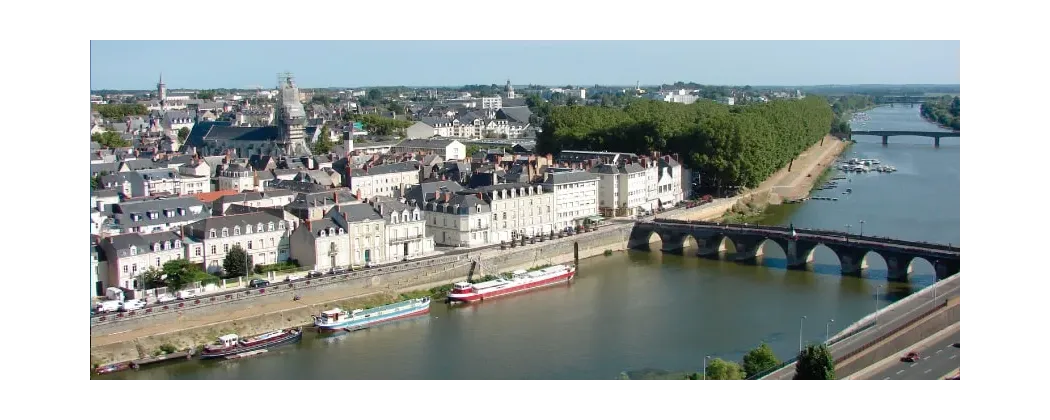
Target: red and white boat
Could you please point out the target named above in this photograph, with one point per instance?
(519, 281)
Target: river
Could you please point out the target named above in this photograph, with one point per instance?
(638, 309)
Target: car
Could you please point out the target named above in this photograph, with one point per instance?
(370, 264)
(956, 345)
(911, 357)
(337, 270)
(314, 274)
(165, 298)
(131, 305)
(292, 278)
(255, 283)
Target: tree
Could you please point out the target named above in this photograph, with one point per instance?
(109, 140)
(374, 94)
(179, 273)
(472, 149)
(323, 145)
(206, 95)
(759, 359)
(237, 262)
(96, 182)
(152, 278)
(815, 362)
(183, 133)
(719, 369)
(119, 111)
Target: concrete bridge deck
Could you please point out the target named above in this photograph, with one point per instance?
(886, 134)
(891, 319)
(798, 245)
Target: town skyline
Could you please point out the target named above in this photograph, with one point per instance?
(251, 64)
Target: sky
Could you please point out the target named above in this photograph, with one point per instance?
(317, 64)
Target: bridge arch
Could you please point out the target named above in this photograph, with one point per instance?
(873, 264)
(922, 267)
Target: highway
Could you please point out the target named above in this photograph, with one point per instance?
(935, 360)
(889, 320)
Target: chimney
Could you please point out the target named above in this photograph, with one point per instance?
(448, 197)
(309, 225)
(335, 197)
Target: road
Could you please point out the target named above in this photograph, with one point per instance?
(936, 360)
(905, 312)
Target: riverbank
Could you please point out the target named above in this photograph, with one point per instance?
(792, 182)
(193, 330)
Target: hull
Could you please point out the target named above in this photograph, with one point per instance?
(353, 324)
(290, 338)
(503, 291)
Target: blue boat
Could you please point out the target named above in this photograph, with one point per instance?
(339, 319)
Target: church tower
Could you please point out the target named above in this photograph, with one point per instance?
(290, 118)
(162, 92)
(509, 90)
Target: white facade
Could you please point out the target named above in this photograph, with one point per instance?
(128, 256)
(236, 178)
(523, 209)
(383, 180)
(493, 103)
(261, 235)
(575, 197)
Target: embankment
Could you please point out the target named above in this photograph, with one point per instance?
(135, 338)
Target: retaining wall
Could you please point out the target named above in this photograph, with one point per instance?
(899, 343)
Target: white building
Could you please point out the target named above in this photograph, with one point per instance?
(236, 177)
(153, 215)
(575, 196)
(493, 102)
(261, 234)
(448, 149)
(621, 189)
(488, 215)
(406, 234)
(128, 256)
(383, 180)
(356, 234)
(669, 182)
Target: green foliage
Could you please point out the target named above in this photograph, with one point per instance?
(206, 94)
(740, 147)
(237, 262)
(473, 148)
(119, 111)
(281, 267)
(109, 140)
(183, 133)
(96, 182)
(815, 362)
(167, 348)
(759, 359)
(719, 369)
(943, 111)
(151, 278)
(374, 94)
(381, 126)
(324, 143)
(181, 272)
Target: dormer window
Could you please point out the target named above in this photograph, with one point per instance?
(259, 227)
(178, 243)
(394, 217)
(270, 226)
(331, 231)
(323, 233)
(280, 225)
(341, 231)
(236, 230)
(156, 247)
(225, 232)
(132, 249)
(211, 233)
(248, 229)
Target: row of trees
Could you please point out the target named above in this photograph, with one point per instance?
(943, 111)
(177, 274)
(730, 146)
(110, 140)
(844, 107)
(814, 362)
(381, 126)
(119, 111)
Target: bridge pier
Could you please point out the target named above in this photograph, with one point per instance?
(885, 140)
(799, 254)
(937, 141)
(944, 269)
(748, 249)
(673, 243)
(898, 267)
(852, 261)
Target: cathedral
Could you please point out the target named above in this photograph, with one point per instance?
(284, 138)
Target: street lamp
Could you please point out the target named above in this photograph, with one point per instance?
(877, 303)
(705, 366)
(827, 330)
(861, 228)
(800, 333)
(847, 229)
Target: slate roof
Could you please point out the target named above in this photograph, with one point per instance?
(427, 190)
(226, 133)
(139, 164)
(605, 169)
(569, 176)
(200, 229)
(434, 121)
(359, 212)
(97, 168)
(122, 212)
(436, 144)
(250, 196)
(462, 203)
(120, 245)
(406, 166)
(519, 114)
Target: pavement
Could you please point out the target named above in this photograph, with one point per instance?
(936, 359)
(899, 315)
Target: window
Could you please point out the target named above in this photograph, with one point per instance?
(270, 227)
(236, 230)
(248, 229)
(125, 268)
(341, 231)
(134, 268)
(197, 251)
(331, 231)
(259, 227)
(225, 248)
(280, 225)
(213, 249)
(132, 249)
(225, 232)
(271, 241)
(249, 244)
(158, 261)
(211, 233)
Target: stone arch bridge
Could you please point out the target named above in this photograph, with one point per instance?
(748, 240)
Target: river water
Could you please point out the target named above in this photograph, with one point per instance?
(638, 309)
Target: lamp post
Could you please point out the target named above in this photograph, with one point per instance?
(877, 304)
(827, 330)
(861, 228)
(800, 333)
(847, 228)
(705, 366)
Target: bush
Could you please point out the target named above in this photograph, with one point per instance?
(608, 252)
(281, 267)
(167, 348)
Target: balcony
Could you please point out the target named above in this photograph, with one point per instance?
(404, 239)
(478, 229)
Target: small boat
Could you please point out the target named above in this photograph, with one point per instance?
(341, 320)
(519, 281)
(246, 354)
(230, 344)
(113, 367)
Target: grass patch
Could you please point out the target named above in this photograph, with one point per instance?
(607, 252)
(281, 267)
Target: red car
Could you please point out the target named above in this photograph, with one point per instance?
(911, 357)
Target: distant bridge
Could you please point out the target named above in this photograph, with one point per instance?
(886, 134)
(851, 249)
